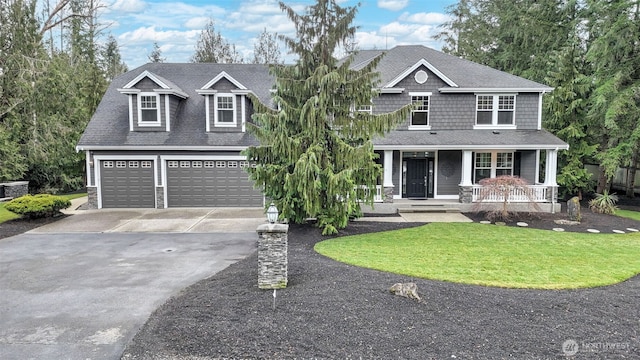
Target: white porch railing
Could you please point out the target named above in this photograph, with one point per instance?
(530, 193)
(377, 196)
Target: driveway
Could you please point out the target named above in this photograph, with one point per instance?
(82, 287)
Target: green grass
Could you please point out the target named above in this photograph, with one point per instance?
(635, 215)
(492, 255)
(6, 215)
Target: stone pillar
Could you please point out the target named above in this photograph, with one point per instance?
(387, 194)
(387, 184)
(272, 256)
(92, 197)
(159, 197)
(466, 194)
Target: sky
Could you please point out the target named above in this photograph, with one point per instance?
(176, 25)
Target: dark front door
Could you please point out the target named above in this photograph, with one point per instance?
(416, 178)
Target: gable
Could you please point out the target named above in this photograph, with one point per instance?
(414, 67)
(222, 81)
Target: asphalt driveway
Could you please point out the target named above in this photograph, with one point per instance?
(82, 287)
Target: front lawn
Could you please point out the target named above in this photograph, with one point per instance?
(492, 255)
(6, 215)
(629, 214)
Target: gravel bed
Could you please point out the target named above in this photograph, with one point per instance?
(332, 310)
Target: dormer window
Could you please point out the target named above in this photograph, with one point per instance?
(495, 111)
(148, 110)
(225, 114)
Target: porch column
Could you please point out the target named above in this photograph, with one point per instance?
(387, 184)
(465, 176)
(466, 184)
(551, 168)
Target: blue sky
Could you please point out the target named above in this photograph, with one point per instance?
(175, 25)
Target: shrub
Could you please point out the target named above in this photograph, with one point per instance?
(37, 206)
(502, 190)
(604, 203)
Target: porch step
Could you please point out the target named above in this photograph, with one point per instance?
(429, 208)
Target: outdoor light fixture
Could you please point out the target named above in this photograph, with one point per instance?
(272, 213)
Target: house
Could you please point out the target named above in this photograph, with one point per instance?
(171, 135)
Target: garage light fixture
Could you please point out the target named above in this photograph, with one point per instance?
(272, 213)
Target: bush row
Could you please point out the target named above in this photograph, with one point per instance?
(37, 206)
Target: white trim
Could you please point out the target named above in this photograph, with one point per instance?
(446, 197)
(216, 122)
(163, 148)
(243, 113)
(221, 75)
(143, 75)
(177, 93)
(131, 127)
(391, 90)
(420, 63)
(537, 172)
(167, 114)
(206, 91)
(207, 114)
(387, 169)
(469, 147)
(98, 183)
(540, 111)
(87, 159)
(466, 176)
(494, 90)
(158, 121)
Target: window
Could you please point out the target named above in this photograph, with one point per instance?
(221, 164)
(492, 164)
(185, 164)
(232, 164)
(196, 164)
(365, 109)
(133, 164)
(172, 164)
(420, 114)
(225, 110)
(107, 164)
(495, 110)
(208, 164)
(149, 112)
(121, 164)
(145, 164)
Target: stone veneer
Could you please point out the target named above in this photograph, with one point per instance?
(15, 189)
(272, 256)
(466, 194)
(159, 197)
(92, 197)
(387, 195)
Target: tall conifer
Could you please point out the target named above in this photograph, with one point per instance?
(316, 150)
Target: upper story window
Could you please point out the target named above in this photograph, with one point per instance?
(495, 110)
(365, 109)
(492, 164)
(420, 114)
(148, 109)
(225, 113)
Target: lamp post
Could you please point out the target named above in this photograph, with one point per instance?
(272, 213)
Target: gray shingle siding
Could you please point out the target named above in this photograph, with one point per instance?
(527, 111)
(528, 166)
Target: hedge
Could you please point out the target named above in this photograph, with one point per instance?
(38, 206)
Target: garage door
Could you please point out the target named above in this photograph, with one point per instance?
(195, 183)
(127, 184)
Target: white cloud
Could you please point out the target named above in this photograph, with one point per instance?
(128, 6)
(372, 40)
(425, 18)
(197, 22)
(393, 5)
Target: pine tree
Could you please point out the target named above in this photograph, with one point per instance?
(315, 150)
(213, 48)
(156, 54)
(266, 50)
(111, 61)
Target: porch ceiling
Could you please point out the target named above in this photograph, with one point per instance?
(470, 139)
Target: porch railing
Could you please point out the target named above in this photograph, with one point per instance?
(530, 193)
(377, 195)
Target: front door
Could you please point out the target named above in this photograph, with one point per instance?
(416, 178)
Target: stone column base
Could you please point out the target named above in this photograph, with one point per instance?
(272, 256)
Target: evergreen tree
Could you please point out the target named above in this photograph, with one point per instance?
(266, 50)
(112, 64)
(315, 150)
(213, 48)
(156, 54)
(615, 103)
(567, 106)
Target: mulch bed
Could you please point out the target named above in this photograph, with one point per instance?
(332, 310)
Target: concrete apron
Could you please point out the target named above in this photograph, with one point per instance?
(176, 220)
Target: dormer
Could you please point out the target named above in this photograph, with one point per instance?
(153, 102)
(226, 105)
